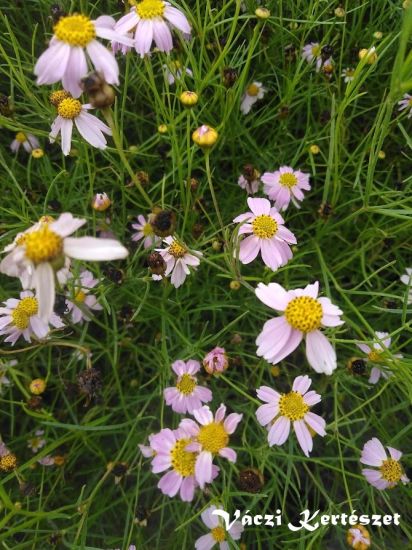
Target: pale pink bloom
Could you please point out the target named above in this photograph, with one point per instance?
(174, 71)
(304, 315)
(218, 533)
(389, 471)
(280, 410)
(211, 437)
(186, 396)
(374, 354)
(28, 141)
(178, 258)
(147, 450)
(33, 255)
(72, 46)
(251, 187)
(216, 361)
(145, 232)
(358, 538)
(269, 236)
(83, 302)
(46, 461)
(21, 318)
(4, 450)
(153, 21)
(313, 52)
(285, 185)
(37, 442)
(89, 126)
(406, 103)
(253, 93)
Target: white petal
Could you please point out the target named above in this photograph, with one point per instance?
(93, 249)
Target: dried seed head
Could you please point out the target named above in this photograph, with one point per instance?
(156, 263)
(251, 480)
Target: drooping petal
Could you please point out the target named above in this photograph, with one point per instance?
(45, 290)
(320, 353)
(104, 61)
(93, 249)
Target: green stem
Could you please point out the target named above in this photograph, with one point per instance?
(212, 190)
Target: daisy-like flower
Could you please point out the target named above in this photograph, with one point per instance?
(145, 232)
(186, 396)
(28, 141)
(83, 303)
(178, 258)
(65, 59)
(313, 52)
(216, 361)
(254, 92)
(249, 180)
(174, 71)
(375, 353)
(36, 254)
(406, 104)
(348, 75)
(358, 538)
(218, 533)
(304, 314)
(269, 236)
(389, 470)
(70, 111)
(284, 185)
(152, 21)
(37, 442)
(171, 453)
(21, 318)
(280, 409)
(211, 438)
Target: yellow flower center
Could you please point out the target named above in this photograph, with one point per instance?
(252, 90)
(76, 30)
(37, 153)
(375, 356)
(80, 296)
(219, 534)
(183, 462)
(29, 306)
(56, 97)
(264, 226)
(20, 319)
(69, 108)
(391, 470)
(149, 9)
(213, 437)
(176, 65)
(304, 313)
(8, 462)
(148, 230)
(21, 137)
(316, 50)
(43, 245)
(177, 250)
(288, 179)
(186, 384)
(293, 406)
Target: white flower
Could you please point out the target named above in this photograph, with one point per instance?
(376, 354)
(178, 258)
(313, 52)
(28, 141)
(406, 279)
(37, 442)
(348, 75)
(41, 250)
(254, 92)
(145, 232)
(218, 533)
(83, 302)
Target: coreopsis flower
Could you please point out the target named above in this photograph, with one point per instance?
(216, 361)
(152, 20)
(284, 185)
(303, 315)
(70, 111)
(73, 44)
(313, 52)
(178, 259)
(171, 453)
(218, 533)
(210, 436)
(253, 93)
(282, 409)
(389, 470)
(186, 396)
(44, 248)
(145, 232)
(82, 303)
(406, 104)
(28, 141)
(37, 442)
(267, 235)
(174, 71)
(348, 75)
(249, 180)
(358, 537)
(375, 353)
(21, 318)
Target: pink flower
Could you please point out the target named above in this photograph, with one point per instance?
(269, 236)
(251, 187)
(83, 302)
(211, 437)
(304, 315)
(313, 52)
(218, 532)
(280, 410)
(375, 354)
(187, 395)
(28, 141)
(406, 103)
(65, 59)
(178, 258)
(389, 471)
(145, 232)
(216, 361)
(153, 20)
(284, 185)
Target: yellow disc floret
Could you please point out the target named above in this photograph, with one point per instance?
(56, 97)
(8, 462)
(43, 245)
(76, 30)
(213, 437)
(219, 534)
(80, 296)
(293, 406)
(21, 137)
(304, 313)
(20, 319)
(186, 384)
(391, 470)
(264, 226)
(149, 9)
(177, 250)
(253, 90)
(288, 179)
(375, 356)
(183, 462)
(29, 305)
(69, 108)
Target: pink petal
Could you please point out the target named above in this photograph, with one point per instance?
(273, 295)
(279, 432)
(228, 453)
(303, 435)
(320, 353)
(203, 468)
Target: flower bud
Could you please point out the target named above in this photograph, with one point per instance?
(189, 99)
(37, 386)
(216, 361)
(205, 136)
(101, 202)
(37, 153)
(370, 55)
(262, 13)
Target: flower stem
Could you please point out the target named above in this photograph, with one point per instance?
(212, 191)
